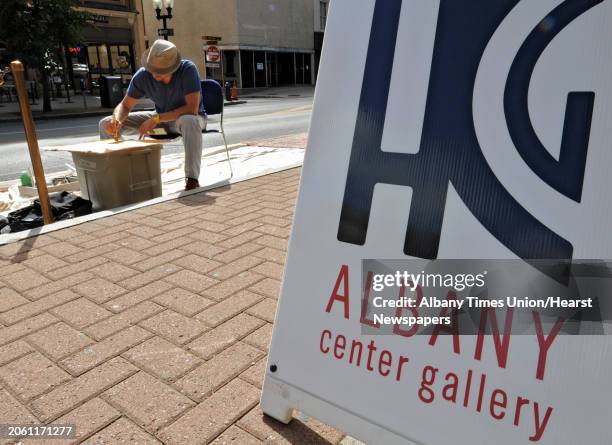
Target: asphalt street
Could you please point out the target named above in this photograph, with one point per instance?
(257, 119)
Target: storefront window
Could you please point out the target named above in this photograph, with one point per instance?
(125, 60)
(230, 63)
(323, 8)
(103, 58)
(94, 65)
(124, 64)
(248, 72)
(114, 52)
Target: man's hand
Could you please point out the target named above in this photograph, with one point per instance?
(113, 126)
(120, 114)
(147, 127)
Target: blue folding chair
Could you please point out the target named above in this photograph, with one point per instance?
(212, 95)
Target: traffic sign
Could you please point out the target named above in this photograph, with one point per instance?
(463, 129)
(213, 54)
(165, 32)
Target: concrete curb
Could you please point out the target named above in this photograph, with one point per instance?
(295, 96)
(236, 102)
(263, 97)
(92, 113)
(290, 96)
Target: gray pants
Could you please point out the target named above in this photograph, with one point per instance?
(188, 126)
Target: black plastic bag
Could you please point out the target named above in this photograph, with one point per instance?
(4, 225)
(64, 205)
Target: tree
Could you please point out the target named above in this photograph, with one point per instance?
(35, 30)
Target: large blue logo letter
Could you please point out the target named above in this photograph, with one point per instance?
(449, 149)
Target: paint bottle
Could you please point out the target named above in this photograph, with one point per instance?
(26, 180)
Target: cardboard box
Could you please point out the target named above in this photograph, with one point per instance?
(114, 174)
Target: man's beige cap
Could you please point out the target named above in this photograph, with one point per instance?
(162, 58)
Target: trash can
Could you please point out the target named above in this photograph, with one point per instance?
(111, 91)
(112, 180)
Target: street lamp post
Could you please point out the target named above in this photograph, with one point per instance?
(158, 5)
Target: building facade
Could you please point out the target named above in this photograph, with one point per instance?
(321, 8)
(112, 42)
(256, 43)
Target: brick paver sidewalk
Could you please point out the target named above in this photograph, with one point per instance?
(152, 326)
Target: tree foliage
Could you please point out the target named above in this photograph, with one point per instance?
(35, 30)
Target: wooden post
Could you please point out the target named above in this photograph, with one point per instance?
(30, 132)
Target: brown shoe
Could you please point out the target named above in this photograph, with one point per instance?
(191, 184)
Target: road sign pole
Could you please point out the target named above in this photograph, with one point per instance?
(30, 132)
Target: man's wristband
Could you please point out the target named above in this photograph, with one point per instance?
(156, 118)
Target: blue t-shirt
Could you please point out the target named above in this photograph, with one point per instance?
(168, 97)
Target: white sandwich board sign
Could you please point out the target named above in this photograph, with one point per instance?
(449, 129)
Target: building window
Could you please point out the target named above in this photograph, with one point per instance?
(323, 14)
(229, 57)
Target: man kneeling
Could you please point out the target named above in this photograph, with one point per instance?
(173, 85)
